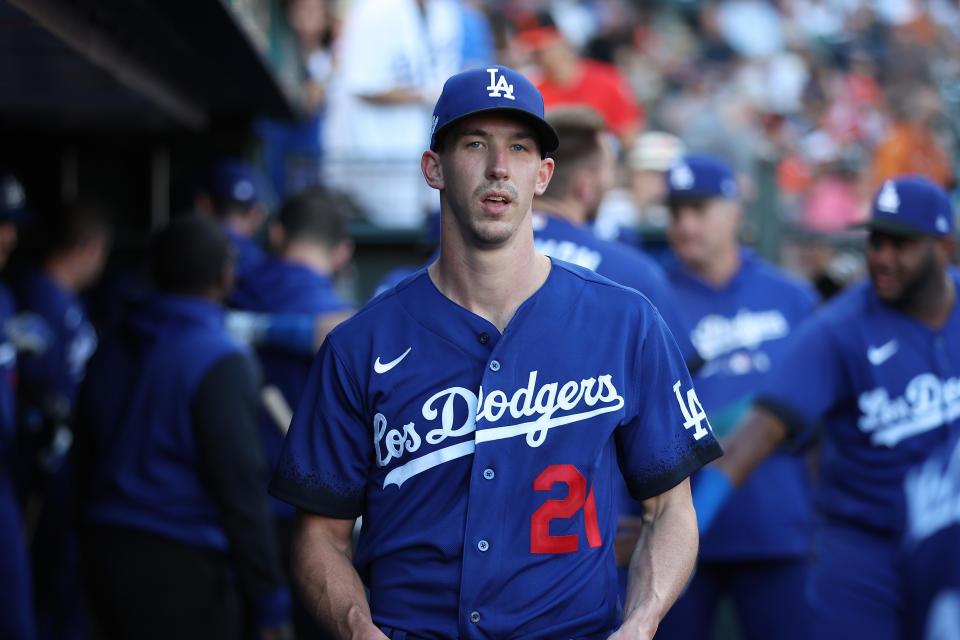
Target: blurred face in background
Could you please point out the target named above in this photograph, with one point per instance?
(648, 187)
(308, 19)
(903, 268)
(8, 241)
(702, 231)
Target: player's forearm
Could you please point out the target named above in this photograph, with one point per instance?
(662, 562)
(758, 435)
(329, 584)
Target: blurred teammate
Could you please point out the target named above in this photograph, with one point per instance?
(16, 605)
(878, 368)
(930, 557)
(311, 244)
(563, 214)
(74, 248)
(176, 522)
(741, 312)
(237, 202)
(498, 419)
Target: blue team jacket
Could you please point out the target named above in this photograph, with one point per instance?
(147, 477)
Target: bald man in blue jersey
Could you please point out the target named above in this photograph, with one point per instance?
(879, 368)
(476, 416)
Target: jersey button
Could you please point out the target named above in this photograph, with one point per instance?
(483, 545)
(484, 338)
(488, 474)
(474, 617)
(494, 365)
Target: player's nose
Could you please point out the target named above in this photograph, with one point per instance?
(496, 164)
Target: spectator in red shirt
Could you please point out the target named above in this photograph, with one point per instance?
(571, 80)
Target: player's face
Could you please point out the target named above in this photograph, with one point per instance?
(701, 230)
(900, 267)
(487, 175)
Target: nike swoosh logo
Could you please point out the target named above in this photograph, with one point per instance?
(383, 367)
(879, 355)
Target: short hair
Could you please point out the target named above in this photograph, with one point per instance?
(190, 255)
(317, 215)
(72, 225)
(579, 130)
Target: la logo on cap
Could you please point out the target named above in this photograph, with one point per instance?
(243, 190)
(681, 177)
(888, 200)
(499, 87)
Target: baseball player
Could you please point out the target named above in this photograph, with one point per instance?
(75, 247)
(475, 414)
(742, 312)
(176, 526)
(311, 245)
(16, 605)
(930, 562)
(562, 215)
(878, 368)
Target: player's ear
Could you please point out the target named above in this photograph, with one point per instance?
(432, 170)
(544, 175)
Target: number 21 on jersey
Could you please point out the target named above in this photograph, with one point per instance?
(577, 498)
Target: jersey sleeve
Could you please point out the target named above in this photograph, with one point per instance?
(328, 450)
(813, 357)
(667, 435)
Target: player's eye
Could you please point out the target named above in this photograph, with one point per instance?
(474, 144)
(518, 147)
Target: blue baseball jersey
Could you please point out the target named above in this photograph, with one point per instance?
(61, 367)
(484, 463)
(8, 374)
(886, 390)
(281, 286)
(16, 605)
(561, 239)
(930, 562)
(740, 330)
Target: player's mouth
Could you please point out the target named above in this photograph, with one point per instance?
(496, 202)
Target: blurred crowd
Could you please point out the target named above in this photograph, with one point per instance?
(835, 95)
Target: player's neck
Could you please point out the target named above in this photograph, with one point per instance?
(491, 283)
(310, 256)
(559, 208)
(720, 269)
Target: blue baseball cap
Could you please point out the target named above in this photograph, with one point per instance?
(701, 175)
(490, 90)
(910, 206)
(236, 180)
(13, 199)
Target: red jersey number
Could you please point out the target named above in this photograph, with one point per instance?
(577, 498)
